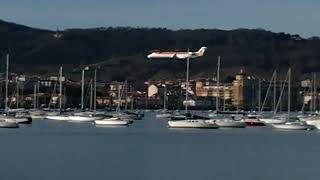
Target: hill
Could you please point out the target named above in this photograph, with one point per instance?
(121, 52)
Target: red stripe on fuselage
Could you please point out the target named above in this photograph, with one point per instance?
(171, 53)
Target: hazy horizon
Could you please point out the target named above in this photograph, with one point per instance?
(294, 17)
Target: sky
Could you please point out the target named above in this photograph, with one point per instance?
(290, 16)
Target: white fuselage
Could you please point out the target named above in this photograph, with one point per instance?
(177, 55)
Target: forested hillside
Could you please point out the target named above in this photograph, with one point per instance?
(121, 52)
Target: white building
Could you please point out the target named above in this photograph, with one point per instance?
(152, 90)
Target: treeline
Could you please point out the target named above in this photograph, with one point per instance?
(121, 52)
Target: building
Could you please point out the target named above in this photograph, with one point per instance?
(152, 90)
(207, 88)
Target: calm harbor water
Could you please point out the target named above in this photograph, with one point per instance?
(147, 150)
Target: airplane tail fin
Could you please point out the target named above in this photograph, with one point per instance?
(201, 51)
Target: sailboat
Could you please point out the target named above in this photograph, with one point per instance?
(274, 118)
(37, 114)
(183, 121)
(253, 120)
(298, 125)
(113, 121)
(228, 123)
(314, 118)
(214, 118)
(3, 122)
(164, 113)
(17, 117)
(83, 116)
(59, 116)
(118, 118)
(293, 126)
(191, 123)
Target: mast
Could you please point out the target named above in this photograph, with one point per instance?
(1, 92)
(126, 95)
(253, 94)
(314, 92)
(95, 92)
(91, 93)
(275, 91)
(38, 92)
(259, 95)
(267, 94)
(282, 88)
(311, 92)
(60, 89)
(165, 97)
(187, 84)
(131, 97)
(22, 95)
(7, 83)
(82, 89)
(218, 79)
(64, 97)
(146, 99)
(35, 96)
(17, 99)
(224, 98)
(119, 99)
(289, 92)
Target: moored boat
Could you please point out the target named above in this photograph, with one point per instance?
(315, 123)
(76, 118)
(58, 117)
(228, 123)
(19, 120)
(37, 114)
(273, 120)
(191, 123)
(253, 120)
(163, 115)
(293, 126)
(111, 122)
(5, 124)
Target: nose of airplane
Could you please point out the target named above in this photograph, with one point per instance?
(149, 56)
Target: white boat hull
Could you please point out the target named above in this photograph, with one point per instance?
(38, 116)
(273, 120)
(309, 118)
(315, 123)
(58, 118)
(111, 122)
(5, 124)
(81, 118)
(292, 126)
(125, 116)
(191, 124)
(228, 123)
(164, 115)
(13, 119)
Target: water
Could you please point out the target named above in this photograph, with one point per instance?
(147, 150)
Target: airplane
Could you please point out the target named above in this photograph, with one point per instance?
(177, 55)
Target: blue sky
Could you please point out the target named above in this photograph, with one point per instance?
(292, 16)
